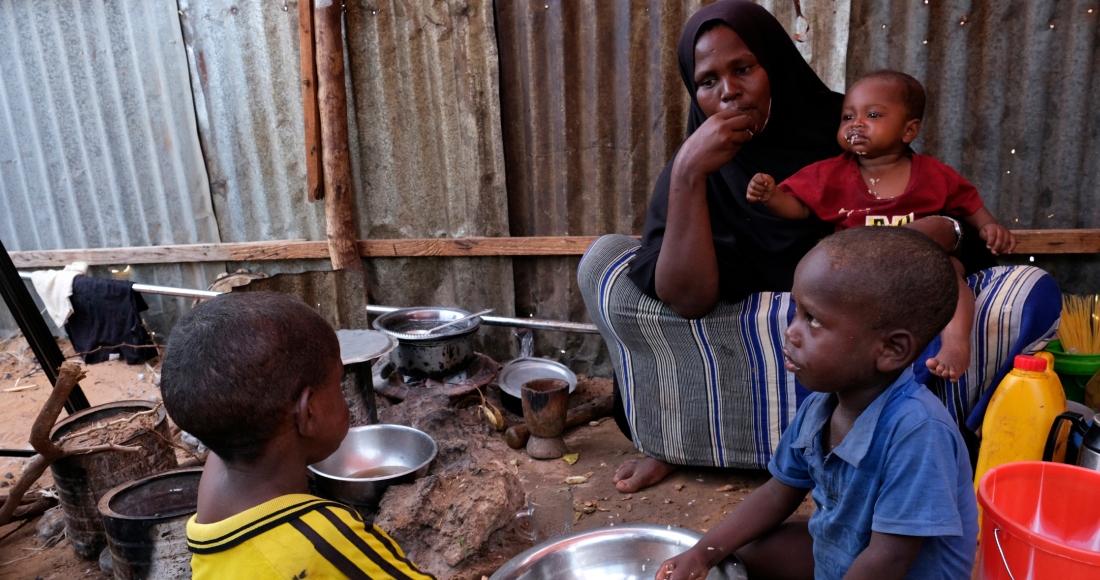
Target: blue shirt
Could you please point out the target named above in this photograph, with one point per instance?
(902, 469)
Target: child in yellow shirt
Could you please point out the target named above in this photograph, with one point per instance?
(256, 377)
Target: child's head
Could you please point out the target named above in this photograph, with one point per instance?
(869, 300)
(882, 114)
(244, 368)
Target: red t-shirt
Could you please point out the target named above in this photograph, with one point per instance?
(835, 192)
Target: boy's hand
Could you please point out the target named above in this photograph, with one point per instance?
(761, 188)
(996, 237)
(687, 566)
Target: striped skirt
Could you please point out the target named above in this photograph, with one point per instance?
(714, 392)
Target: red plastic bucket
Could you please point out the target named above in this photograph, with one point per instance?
(1040, 520)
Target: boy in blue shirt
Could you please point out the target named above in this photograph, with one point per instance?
(888, 470)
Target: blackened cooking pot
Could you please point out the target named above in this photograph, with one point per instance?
(436, 355)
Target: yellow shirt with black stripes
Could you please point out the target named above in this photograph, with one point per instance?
(296, 537)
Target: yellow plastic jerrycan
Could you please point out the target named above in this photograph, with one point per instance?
(1020, 414)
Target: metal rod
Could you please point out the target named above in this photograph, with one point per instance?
(533, 323)
(164, 290)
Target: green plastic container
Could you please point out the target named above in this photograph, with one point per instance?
(1074, 370)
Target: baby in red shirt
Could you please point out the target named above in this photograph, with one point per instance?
(879, 180)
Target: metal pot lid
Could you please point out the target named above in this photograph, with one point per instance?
(522, 370)
(399, 322)
(358, 346)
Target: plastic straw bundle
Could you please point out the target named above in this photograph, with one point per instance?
(1080, 326)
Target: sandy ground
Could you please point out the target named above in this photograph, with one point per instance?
(695, 499)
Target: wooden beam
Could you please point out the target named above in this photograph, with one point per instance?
(332, 98)
(300, 249)
(1029, 242)
(310, 112)
(1057, 241)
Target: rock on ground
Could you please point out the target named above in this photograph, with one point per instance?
(441, 519)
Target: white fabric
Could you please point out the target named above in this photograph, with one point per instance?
(55, 287)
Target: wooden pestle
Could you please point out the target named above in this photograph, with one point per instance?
(516, 436)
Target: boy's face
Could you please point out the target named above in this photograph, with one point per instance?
(333, 412)
(874, 121)
(829, 346)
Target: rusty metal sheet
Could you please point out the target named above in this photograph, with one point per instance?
(427, 154)
(592, 107)
(425, 137)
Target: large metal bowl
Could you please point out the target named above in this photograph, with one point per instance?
(630, 552)
(371, 447)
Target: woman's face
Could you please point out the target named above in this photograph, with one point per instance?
(728, 76)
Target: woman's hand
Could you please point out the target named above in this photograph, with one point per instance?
(997, 238)
(761, 188)
(687, 566)
(715, 143)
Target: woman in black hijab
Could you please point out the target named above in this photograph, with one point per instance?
(694, 316)
(756, 107)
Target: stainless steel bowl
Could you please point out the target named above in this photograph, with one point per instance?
(616, 553)
(375, 448)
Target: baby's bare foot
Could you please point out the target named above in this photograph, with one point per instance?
(951, 362)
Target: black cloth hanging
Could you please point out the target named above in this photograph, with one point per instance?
(106, 313)
(756, 251)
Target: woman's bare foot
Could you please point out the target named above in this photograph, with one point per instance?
(638, 474)
(952, 360)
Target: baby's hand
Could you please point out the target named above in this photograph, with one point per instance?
(997, 238)
(761, 188)
(686, 566)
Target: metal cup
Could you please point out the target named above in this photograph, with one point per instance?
(550, 512)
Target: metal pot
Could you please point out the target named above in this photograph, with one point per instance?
(436, 355)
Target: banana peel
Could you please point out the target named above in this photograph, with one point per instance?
(491, 413)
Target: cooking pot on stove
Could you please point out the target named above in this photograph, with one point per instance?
(436, 355)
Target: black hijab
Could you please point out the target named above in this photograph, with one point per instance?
(756, 251)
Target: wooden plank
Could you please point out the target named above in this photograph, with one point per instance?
(311, 113)
(1029, 242)
(332, 98)
(1057, 241)
(300, 249)
(467, 247)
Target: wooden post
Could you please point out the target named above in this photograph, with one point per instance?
(332, 98)
(314, 186)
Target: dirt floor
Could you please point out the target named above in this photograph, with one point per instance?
(695, 499)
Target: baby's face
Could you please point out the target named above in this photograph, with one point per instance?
(874, 121)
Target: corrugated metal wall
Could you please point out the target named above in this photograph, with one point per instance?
(425, 137)
(427, 149)
(98, 145)
(1012, 97)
